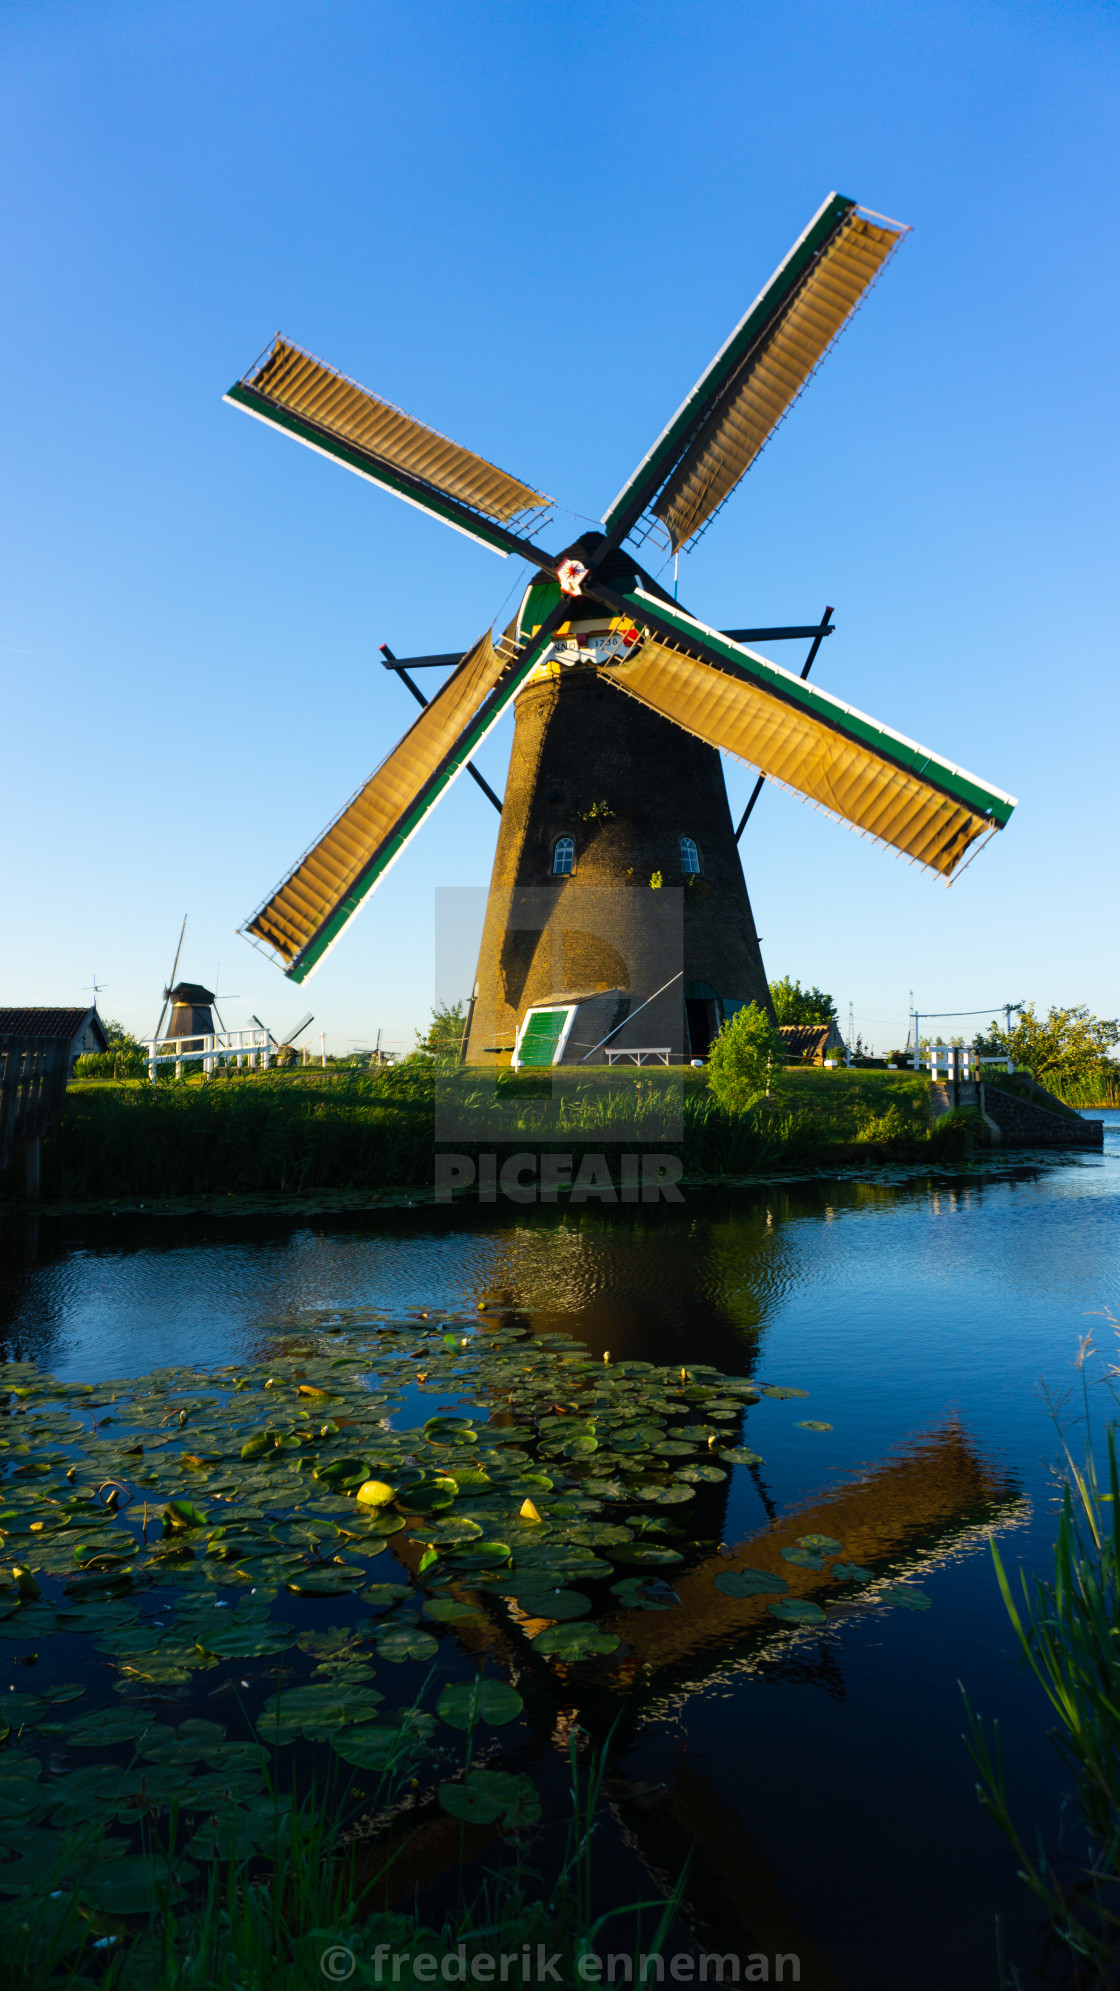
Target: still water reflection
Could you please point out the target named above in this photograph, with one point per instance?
(822, 1781)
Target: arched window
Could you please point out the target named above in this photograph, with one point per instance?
(563, 857)
(690, 858)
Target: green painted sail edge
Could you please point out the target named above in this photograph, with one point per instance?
(673, 439)
(467, 744)
(460, 518)
(846, 719)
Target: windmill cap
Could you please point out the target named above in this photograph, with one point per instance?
(190, 992)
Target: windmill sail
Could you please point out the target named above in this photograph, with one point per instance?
(305, 915)
(876, 780)
(741, 397)
(293, 391)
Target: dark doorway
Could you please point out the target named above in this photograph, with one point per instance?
(702, 1014)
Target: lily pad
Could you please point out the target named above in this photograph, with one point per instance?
(797, 1611)
(575, 1641)
(777, 1390)
(802, 1558)
(489, 1701)
(906, 1596)
(750, 1583)
(850, 1572)
(812, 1424)
(740, 1455)
(561, 1605)
(405, 1641)
(819, 1544)
(105, 1726)
(331, 1582)
(487, 1796)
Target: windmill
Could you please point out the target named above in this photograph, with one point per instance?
(285, 1051)
(192, 1006)
(623, 700)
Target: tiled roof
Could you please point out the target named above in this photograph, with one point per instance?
(802, 1037)
(64, 1023)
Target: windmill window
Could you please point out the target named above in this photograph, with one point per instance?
(690, 857)
(563, 857)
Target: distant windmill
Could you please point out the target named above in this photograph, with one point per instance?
(192, 1006)
(286, 1043)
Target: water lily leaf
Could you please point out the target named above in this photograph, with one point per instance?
(487, 1796)
(739, 1455)
(820, 1544)
(575, 1641)
(315, 1712)
(400, 1641)
(375, 1493)
(105, 1726)
(797, 1611)
(776, 1390)
(481, 1552)
(445, 1533)
(642, 1552)
(385, 1746)
(137, 1882)
(558, 1604)
(334, 1581)
(904, 1594)
(750, 1583)
(850, 1572)
(383, 1596)
(182, 1514)
(802, 1558)
(701, 1475)
(812, 1424)
(490, 1701)
(668, 1496)
(446, 1611)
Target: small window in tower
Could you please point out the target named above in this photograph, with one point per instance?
(690, 857)
(563, 857)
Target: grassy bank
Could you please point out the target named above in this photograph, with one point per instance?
(268, 1135)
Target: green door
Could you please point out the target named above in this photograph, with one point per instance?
(542, 1033)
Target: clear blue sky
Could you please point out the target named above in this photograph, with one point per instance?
(531, 226)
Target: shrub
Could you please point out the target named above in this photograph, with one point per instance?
(746, 1051)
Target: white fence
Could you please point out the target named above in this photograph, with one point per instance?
(240, 1047)
(956, 1061)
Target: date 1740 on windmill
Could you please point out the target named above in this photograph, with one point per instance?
(622, 701)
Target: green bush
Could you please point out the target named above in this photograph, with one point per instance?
(743, 1057)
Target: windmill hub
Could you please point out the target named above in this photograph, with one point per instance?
(623, 702)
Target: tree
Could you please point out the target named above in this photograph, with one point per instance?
(744, 1054)
(444, 1039)
(793, 1004)
(1066, 1044)
(126, 1056)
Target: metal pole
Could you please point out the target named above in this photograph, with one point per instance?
(421, 700)
(917, 1044)
(806, 668)
(323, 1049)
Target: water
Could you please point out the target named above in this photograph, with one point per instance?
(825, 1785)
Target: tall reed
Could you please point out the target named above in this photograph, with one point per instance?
(1068, 1631)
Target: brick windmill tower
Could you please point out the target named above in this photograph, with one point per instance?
(617, 912)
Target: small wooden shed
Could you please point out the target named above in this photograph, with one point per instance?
(38, 1048)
